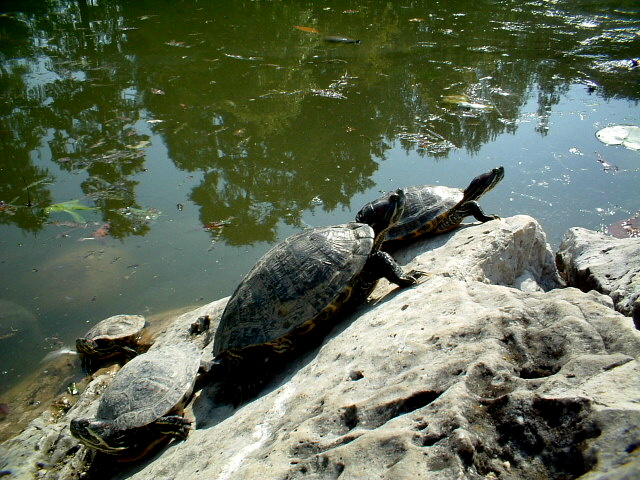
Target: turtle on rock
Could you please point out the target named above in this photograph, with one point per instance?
(111, 336)
(291, 297)
(143, 404)
(115, 335)
(434, 209)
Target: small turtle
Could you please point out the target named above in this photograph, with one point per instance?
(290, 297)
(432, 210)
(144, 402)
(112, 336)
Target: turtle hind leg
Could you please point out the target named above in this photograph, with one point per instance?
(473, 209)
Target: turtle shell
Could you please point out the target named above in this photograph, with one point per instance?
(424, 203)
(293, 283)
(110, 333)
(150, 386)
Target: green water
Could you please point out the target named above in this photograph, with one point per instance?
(199, 134)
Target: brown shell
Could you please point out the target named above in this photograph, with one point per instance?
(293, 283)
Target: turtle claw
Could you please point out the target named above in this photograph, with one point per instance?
(419, 275)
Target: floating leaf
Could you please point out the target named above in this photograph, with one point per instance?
(307, 29)
(626, 135)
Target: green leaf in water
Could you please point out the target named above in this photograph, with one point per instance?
(71, 207)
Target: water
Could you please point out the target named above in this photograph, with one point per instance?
(199, 134)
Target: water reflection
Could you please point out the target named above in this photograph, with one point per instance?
(235, 93)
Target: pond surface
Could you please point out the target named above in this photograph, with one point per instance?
(152, 151)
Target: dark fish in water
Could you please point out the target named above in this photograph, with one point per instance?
(4, 410)
(337, 39)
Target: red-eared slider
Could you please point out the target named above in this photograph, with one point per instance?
(287, 301)
(143, 403)
(112, 336)
(431, 210)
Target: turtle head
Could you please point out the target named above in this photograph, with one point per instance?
(97, 347)
(88, 346)
(483, 183)
(383, 213)
(98, 434)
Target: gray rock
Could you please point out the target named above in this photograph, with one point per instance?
(594, 261)
(468, 375)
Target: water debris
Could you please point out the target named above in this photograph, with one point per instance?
(154, 121)
(174, 43)
(465, 102)
(307, 29)
(328, 93)
(240, 57)
(217, 225)
(157, 91)
(101, 231)
(626, 135)
(576, 151)
(429, 140)
(607, 167)
(140, 214)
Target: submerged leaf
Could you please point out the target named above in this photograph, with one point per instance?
(69, 207)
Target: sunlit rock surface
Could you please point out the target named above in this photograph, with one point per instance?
(594, 261)
(484, 370)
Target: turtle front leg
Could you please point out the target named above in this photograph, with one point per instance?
(385, 266)
(173, 425)
(473, 208)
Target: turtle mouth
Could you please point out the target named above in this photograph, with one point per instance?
(93, 434)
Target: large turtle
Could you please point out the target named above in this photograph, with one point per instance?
(112, 336)
(143, 403)
(431, 210)
(287, 301)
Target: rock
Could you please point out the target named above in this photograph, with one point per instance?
(511, 252)
(594, 261)
(464, 376)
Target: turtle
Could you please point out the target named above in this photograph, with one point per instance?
(296, 291)
(112, 336)
(144, 402)
(434, 209)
